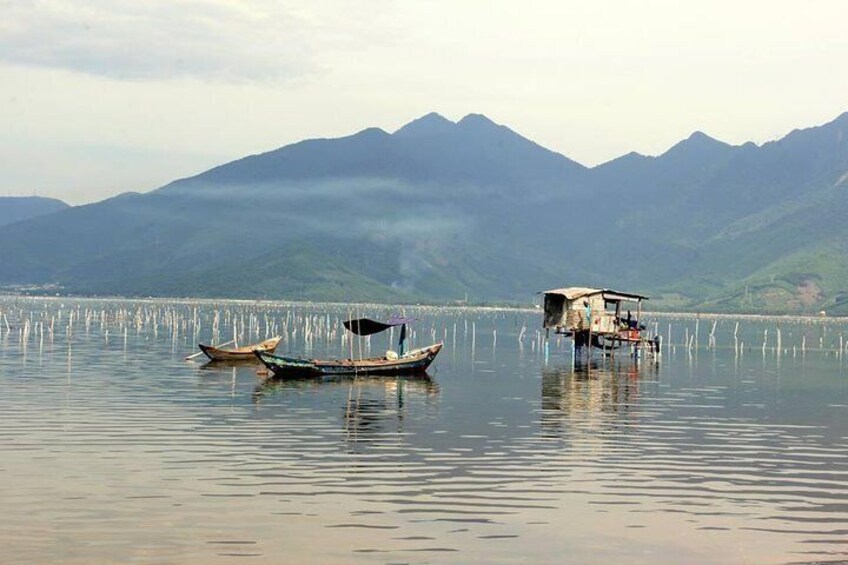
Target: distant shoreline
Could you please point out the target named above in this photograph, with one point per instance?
(458, 307)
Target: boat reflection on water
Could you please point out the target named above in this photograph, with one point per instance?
(222, 364)
(417, 384)
(370, 405)
(593, 393)
(367, 414)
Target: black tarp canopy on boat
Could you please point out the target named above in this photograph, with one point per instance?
(367, 326)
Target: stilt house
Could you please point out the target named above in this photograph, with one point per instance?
(599, 311)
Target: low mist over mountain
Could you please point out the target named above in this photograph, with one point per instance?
(16, 208)
(443, 211)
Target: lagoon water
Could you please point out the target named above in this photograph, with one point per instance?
(115, 449)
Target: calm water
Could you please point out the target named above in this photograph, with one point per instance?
(114, 449)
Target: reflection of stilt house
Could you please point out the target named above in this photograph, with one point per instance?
(597, 317)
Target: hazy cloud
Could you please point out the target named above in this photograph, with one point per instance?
(357, 188)
(159, 39)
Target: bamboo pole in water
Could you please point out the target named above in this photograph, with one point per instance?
(697, 327)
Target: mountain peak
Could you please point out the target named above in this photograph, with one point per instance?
(429, 124)
(624, 160)
(699, 136)
(697, 142)
(632, 156)
(477, 120)
(478, 124)
(370, 132)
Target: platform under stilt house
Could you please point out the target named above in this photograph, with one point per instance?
(598, 317)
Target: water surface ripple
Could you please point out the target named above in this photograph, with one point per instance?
(113, 448)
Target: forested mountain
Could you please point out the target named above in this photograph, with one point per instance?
(441, 210)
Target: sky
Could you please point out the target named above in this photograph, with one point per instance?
(101, 97)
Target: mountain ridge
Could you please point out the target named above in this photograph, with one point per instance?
(440, 209)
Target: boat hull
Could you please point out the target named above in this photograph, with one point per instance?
(289, 367)
(240, 353)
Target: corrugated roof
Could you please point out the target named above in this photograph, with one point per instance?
(575, 292)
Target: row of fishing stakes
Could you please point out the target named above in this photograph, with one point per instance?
(40, 322)
(185, 326)
(772, 338)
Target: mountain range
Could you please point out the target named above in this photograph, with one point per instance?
(442, 211)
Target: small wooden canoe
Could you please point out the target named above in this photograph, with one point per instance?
(240, 353)
(415, 361)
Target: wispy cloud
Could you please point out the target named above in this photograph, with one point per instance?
(223, 40)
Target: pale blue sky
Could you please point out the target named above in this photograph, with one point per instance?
(101, 97)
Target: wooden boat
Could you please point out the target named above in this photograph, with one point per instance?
(240, 353)
(415, 361)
